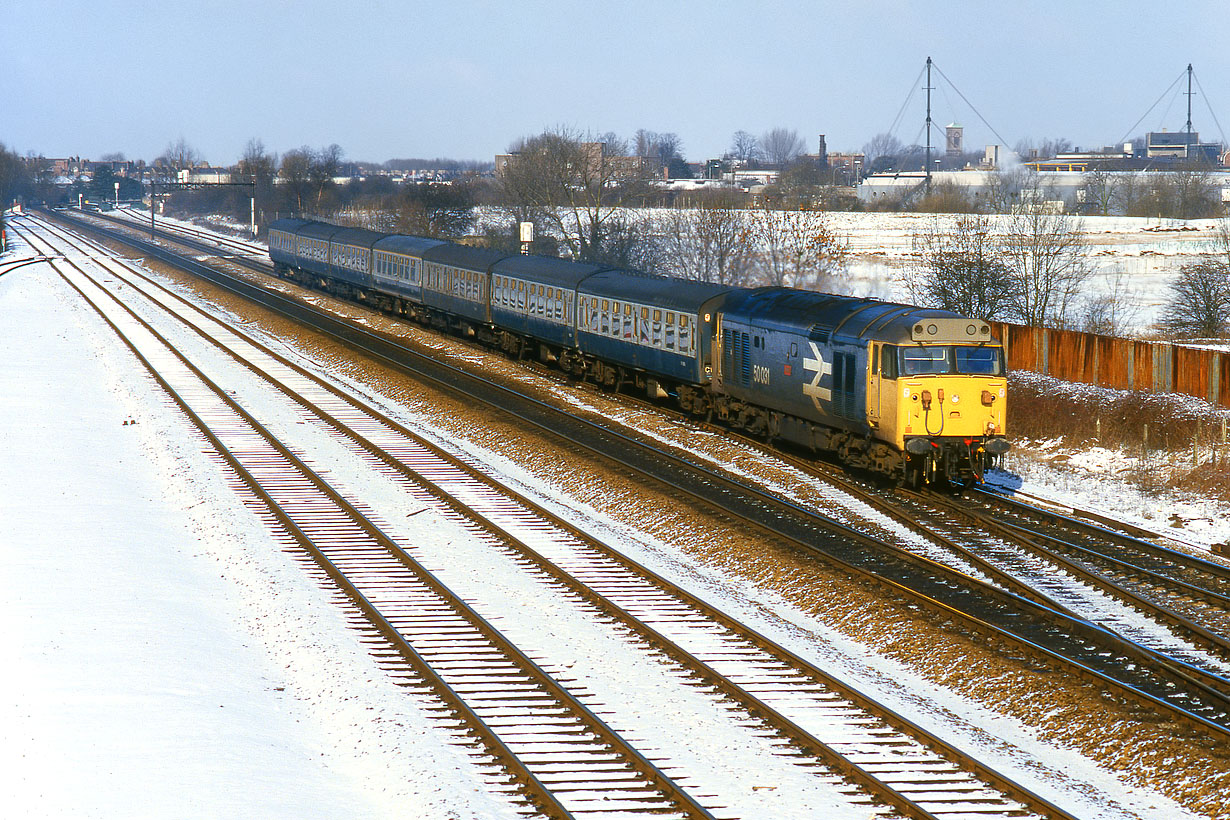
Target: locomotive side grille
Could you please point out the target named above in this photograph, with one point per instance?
(737, 355)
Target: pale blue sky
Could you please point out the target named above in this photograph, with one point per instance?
(463, 79)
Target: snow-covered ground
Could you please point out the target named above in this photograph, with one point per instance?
(236, 688)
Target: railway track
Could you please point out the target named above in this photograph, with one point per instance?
(1080, 648)
(137, 220)
(896, 762)
(1195, 590)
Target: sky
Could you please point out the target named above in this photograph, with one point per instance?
(465, 78)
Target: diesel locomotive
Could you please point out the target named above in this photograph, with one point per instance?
(915, 394)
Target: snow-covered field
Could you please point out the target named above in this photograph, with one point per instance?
(236, 689)
(1133, 259)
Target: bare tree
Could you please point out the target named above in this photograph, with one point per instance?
(296, 173)
(14, 176)
(1100, 188)
(180, 155)
(962, 268)
(326, 164)
(797, 249)
(1048, 257)
(435, 210)
(882, 152)
(1046, 148)
(663, 149)
(575, 186)
(1199, 303)
(744, 147)
(781, 146)
(1110, 313)
(1004, 186)
(709, 242)
(1184, 193)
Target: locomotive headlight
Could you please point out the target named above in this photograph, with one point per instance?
(955, 398)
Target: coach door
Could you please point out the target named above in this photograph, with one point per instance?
(873, 385)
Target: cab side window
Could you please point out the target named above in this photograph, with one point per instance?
(888, 362)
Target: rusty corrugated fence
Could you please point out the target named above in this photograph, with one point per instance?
(1125, 364)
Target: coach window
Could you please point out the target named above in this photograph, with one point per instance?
(616, 320)
(670, 331)
(685, 336)
(657, 328)
(629, 321)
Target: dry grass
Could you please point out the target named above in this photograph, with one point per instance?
(1178, 442)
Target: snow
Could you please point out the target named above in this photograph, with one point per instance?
(236, 687)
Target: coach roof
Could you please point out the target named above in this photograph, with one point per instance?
(463, 256)
(409, 245)
(661, 291)
(361, 237)
(546, 270)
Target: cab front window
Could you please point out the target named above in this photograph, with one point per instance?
(926, 361)
(934, 360)
(979, 361)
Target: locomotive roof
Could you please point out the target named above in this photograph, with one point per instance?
(412, 245)
(547, 269)
(809, 312)
(463, 256)
(676, 294)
